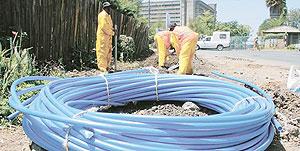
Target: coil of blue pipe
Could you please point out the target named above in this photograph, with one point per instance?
(59, 116)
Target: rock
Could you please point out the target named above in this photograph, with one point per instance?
(284, 135)
(154, 108)
(294, 122)
(103, 108)
(190, 106)
(295, 132)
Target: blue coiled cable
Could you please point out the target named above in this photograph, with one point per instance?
(58, 117)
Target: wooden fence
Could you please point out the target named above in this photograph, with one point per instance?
(58, 28)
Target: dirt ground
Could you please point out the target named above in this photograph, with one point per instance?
(272, 78)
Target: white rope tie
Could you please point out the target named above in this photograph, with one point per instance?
(155, 72)
(107, 87)
(66, 140)
(246, 99)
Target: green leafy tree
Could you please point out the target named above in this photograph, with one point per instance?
(153, 28)
(129, 7)
(294, 18)
(204, 24)
(270, 23)
(234, 28)
(271, 3)
(280, 3)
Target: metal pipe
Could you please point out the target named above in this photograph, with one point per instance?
(149, 12)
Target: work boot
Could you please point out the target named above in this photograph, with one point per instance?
(162, 68)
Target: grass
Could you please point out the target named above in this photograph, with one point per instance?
(15, 62)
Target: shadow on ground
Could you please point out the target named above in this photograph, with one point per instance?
(276, 144)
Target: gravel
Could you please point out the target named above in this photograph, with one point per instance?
(160, 108)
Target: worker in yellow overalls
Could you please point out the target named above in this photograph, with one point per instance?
(184, 40)
(105, 32)
(162, 40)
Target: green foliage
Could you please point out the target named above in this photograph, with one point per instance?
(270, 23)
(294, 18)
(142, 20)
(126, 48)
(234, 28)
(14, 63)
(281, 4)
(153, 28)
(204, 24)
(128, 7)
(274, 36)
(132, 8)
(292, 47)
(53, 68)
(272, 2)
(284, 10)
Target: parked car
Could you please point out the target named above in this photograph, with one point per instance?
(219, 40)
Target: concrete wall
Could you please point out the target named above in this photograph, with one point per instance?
(274, 43)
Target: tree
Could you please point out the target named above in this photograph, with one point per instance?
(128, 7)
(270, 23)
(293, 18)
(271, 3)
(204, 24)
(234, 28)
(132, 6)
(154, 27)
(280, 3)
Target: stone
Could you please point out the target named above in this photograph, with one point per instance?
(190, 106)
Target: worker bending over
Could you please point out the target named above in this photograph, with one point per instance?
(105, 32)
(162, 40)
(184, 40)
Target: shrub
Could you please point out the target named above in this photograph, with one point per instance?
(15, 62)
(126, 48)
(292, 47)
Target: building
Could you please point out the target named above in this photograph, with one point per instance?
(195, 8)
(181, 12)
(282, 36)
(160, 10)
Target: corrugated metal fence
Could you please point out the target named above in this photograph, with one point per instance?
(57, 28)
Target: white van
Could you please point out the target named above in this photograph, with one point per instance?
(219, 41)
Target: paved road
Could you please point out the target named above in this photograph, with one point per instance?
(284, 58)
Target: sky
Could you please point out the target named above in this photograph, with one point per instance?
(248, 12)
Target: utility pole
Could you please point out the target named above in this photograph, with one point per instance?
(168, 20)
(149, 13)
